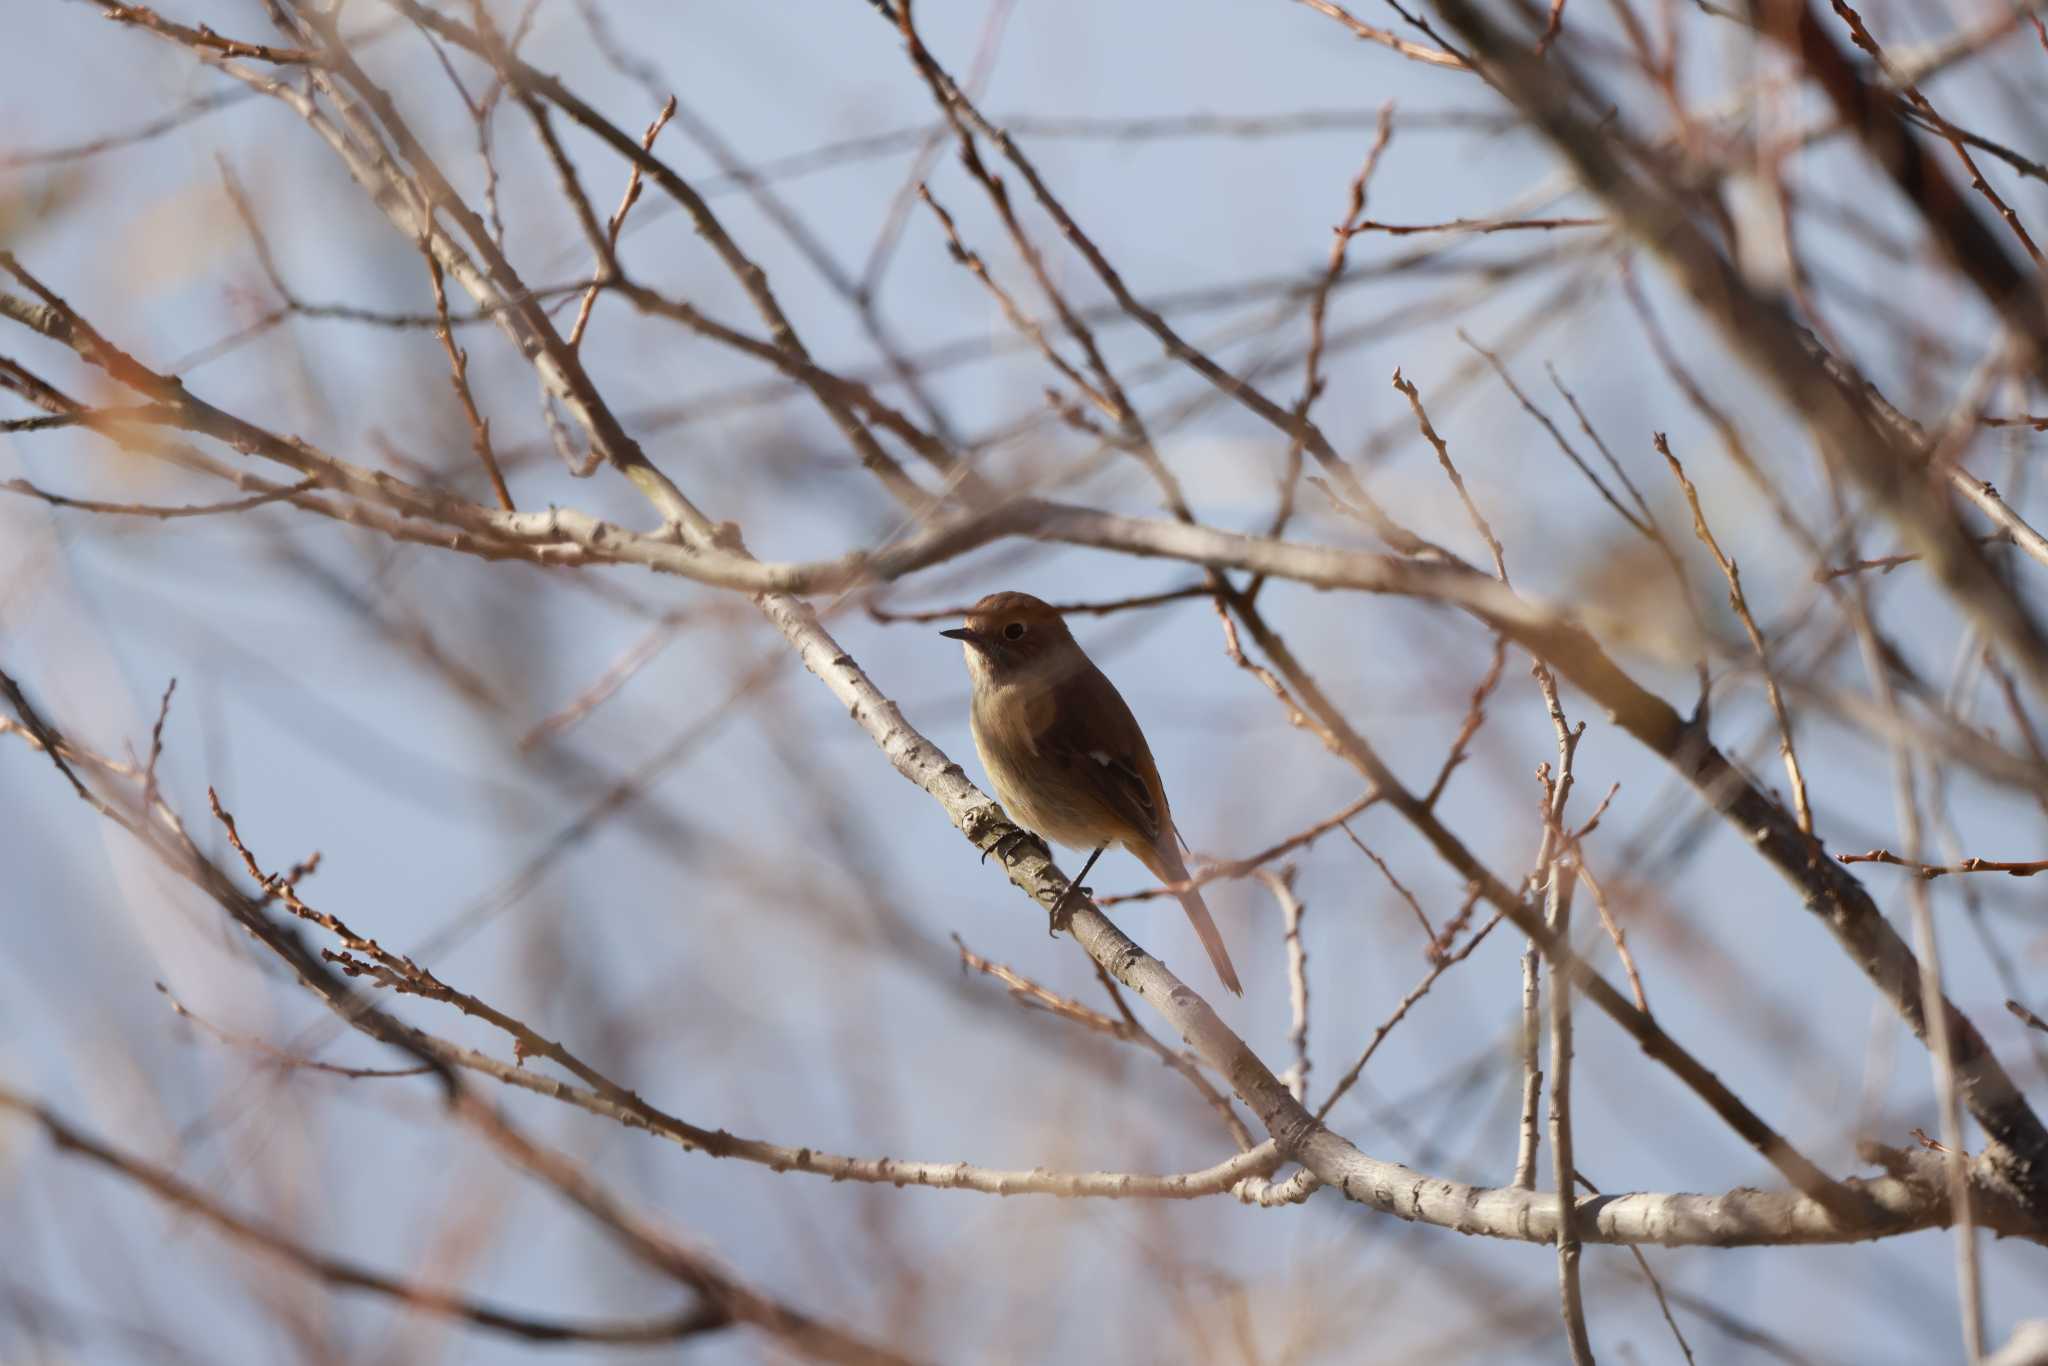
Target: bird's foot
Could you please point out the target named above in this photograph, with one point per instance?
(1005, 845)
(1063, 909)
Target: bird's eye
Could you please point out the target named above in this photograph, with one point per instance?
(1014, 631)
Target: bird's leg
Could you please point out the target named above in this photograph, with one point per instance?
(1061, 915)
(1005, 845)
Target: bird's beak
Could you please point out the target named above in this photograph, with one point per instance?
(971, 636)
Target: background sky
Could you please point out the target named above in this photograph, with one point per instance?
(760, 942)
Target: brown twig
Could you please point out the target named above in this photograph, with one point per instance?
(1296, 715)
(957, 107)
(608, 261)
(1885, 564)
(1475, 717)
(1639, 517)
(1431, 946)
(1029, 993)
(283, 493)
(1025, 324)
(1740, 604)
(1656, 1286)
(458, 379)
(200, 38)
(1218, 870)
(1476, 225)
(1318, 313)
(1927, 872)
(1443, 457)
(1333, 267)
(636, 657)
(1437, 969)
(156, 745)
(1344, 740)
(1105, 390)
(1612, 926)
(1101, 608)
(1861, 36)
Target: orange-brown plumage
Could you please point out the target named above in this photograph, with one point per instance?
(1064, 753)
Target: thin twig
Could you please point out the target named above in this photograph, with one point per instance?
(1656, 1286)
(156, 745)
(1862, 38)
(458, 379)
(1927, 872)
(1247, 866)
(1430, 944)
(1561, 877)
(1279, 883)
(1475, 717)
(1360, 29)
(1102, 608)
(1029, 993)
(276, 495)
(618, 221)
(1443, 457)
(1612, 926)
(1312, 382)
(1416, 993)
(282, 1057)
(1477, 225)
(1733, 574)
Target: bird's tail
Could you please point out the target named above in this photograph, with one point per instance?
(1165, 862)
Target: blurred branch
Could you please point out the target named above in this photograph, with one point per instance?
(1476, 225)
(1758, 330)
(1866, 450)
(1114, 605)
(342, 1273)
(163, 835)
(276, 495)
(1929, 871)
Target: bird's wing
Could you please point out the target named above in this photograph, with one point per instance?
(1091, 734)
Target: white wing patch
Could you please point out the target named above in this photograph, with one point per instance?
(1102, 756)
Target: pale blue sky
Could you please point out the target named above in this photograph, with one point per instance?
(743, 996)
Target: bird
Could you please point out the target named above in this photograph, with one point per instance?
(1066, 756)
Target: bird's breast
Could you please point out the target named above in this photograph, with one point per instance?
(1039, 794)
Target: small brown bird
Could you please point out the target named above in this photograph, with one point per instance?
(1064, 752)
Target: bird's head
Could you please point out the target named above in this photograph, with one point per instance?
(1013, 635)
